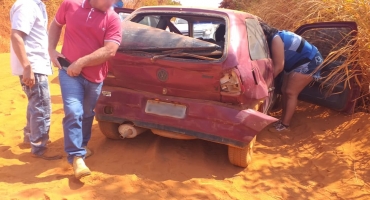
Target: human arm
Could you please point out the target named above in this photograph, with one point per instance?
(97, 57)
(55, 30)
(112, 40)
(278, 58)
(19, 49)
(22, 21)
(54, 35)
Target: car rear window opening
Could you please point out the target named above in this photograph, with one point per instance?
(189, 36)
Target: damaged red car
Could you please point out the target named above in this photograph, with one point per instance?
(218, 88)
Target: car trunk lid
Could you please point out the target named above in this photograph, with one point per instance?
(157, 61)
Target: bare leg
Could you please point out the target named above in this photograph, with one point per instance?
(295, 83)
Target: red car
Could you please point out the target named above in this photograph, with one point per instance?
(217, 89)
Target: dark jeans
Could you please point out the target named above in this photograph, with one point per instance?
(38, 114)
(79, 100)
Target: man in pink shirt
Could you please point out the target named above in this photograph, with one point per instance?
(92, 36)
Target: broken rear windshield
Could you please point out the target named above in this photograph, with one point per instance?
(169, 31)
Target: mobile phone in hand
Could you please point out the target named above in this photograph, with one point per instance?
(64, 63)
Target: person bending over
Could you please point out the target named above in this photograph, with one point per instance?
(300, 62)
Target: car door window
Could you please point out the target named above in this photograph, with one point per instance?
(123, 15)
(328, 39)
(258, 48)
(181, 24)
(206, 29)
(150, 20)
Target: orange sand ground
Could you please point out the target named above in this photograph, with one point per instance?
(326, 156)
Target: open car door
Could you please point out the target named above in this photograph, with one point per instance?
(328, 37)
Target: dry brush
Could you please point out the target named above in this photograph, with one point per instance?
(290, 14)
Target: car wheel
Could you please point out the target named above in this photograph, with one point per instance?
(109, 129)
(241, 157)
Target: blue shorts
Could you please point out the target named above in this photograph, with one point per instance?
(310, 67)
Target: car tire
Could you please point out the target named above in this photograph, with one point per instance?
(109, 129)
(241, 157)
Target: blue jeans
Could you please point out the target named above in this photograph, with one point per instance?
(79, 99)
(37, 128)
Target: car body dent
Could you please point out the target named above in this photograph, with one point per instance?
(208, 117)
(206, 120)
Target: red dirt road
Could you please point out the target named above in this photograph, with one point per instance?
(325, 156)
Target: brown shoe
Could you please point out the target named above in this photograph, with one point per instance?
(48, 155)
(79, 168)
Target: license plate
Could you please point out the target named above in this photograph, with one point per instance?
(165, 109)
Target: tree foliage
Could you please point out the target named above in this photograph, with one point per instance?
(236, 4)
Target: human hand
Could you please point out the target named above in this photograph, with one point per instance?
(28, 76)
(74, 69)
(54, 55)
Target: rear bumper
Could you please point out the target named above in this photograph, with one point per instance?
(205, 120)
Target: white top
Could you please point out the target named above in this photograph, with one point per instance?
(30, 17)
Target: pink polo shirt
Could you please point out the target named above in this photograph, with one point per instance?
(86, 31)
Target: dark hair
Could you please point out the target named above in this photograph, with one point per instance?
(269, 31)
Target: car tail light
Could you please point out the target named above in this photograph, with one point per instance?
(230, 84)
